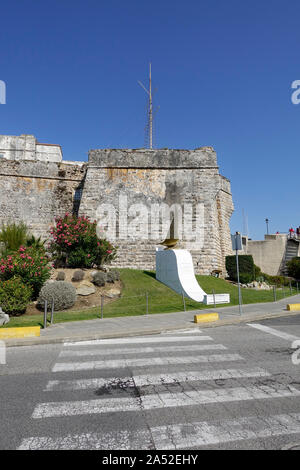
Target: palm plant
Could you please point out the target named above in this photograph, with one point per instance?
(12, 236)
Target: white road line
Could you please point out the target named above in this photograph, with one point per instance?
(141, 350)
(273, 332)
(183, 436)
(161, 400)
(179, 436)
(155, 379)
(140, 340)
(143, 362)
(117, 440)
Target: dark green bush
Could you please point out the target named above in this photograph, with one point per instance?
(294, 268)
(245, 278)
(246, 266)
(15, 295)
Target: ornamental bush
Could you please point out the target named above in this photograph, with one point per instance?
(63, 293)
(246, 266)
(15, 295)
(30, 264)
(75, 243)
(294, 267)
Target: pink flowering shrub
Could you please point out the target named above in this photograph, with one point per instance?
(76, 245)
(29, 264)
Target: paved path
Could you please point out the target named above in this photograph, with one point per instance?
(151, 324)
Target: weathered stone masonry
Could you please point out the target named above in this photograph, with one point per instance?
(163, 176)
(37, 191)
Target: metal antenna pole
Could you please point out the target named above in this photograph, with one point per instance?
(150, 110)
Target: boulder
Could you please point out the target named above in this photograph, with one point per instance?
(111, 293)
(85, 288)
(4, 318)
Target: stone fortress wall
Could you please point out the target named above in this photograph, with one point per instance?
(37, 185)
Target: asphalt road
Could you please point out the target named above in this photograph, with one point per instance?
(233, 387)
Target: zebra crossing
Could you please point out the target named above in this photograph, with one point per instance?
(179, 375)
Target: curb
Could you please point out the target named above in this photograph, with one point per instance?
(143, 332)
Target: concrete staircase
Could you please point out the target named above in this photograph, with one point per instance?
(292, 250)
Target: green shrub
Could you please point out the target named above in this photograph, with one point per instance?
(12, 236)
(36, 243)
(274, 280)
(15, 295)
(78, 275)
(245, 278)
(246, 266)
(99, 278)
(31, 265)
(63, 293)
(294, 268)
(61, 276)
(75, 243)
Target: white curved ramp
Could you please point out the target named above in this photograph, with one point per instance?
(175, 269)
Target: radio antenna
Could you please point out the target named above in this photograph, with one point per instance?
(149, 126)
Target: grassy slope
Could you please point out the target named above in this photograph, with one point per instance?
(161, 299)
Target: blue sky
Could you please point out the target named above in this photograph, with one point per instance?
(223, 72)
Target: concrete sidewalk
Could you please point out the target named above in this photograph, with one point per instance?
(153, 324)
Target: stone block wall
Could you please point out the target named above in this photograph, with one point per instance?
(145, 178)
(37, 192)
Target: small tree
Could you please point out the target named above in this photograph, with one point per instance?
(75, 243)
(294, 267)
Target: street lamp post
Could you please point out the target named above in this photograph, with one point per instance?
(267, 222)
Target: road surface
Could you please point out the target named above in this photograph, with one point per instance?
(233, 387)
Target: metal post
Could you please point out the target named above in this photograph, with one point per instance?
(274, 293)
(45, 314)
(291, 288)
(297, 287)
(147, 303)
(102, 302)
(52, 312)
(214, 295)
(239, 285)
(183, 300)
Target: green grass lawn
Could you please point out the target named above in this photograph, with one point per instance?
(161, 299)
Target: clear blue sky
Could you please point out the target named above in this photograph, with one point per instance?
(223, 70)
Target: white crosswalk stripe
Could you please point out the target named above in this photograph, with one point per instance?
(161, 400)
(149, 349)
(138, 340)
(152, 361)
(179, 436)
(159, 389)
(156, 379)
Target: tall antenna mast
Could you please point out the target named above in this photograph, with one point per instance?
(150, 108)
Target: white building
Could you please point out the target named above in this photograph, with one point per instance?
(26, 147)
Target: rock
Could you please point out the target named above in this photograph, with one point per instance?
(111, 293)
(4, 318)
(99, 278)
(85, 288)
(61, 276)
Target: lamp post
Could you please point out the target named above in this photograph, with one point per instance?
(267, 222)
